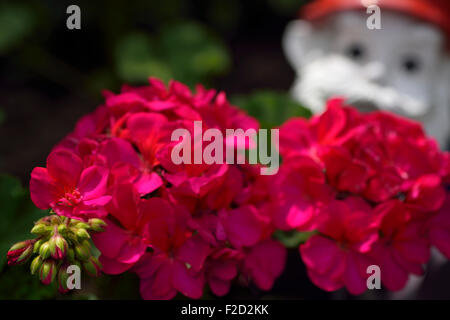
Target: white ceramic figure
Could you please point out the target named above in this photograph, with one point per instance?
(404, 67)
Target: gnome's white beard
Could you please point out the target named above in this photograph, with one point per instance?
(335, 75)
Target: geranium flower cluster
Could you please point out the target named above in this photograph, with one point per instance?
(178, 226)
(371, 187)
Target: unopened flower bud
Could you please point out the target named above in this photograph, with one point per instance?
(58, 247)
(70, 255)
(20, 252)
(47, 271)
(43, 220)
(82, 234)
(97, 224)
(92, 267)
(87, 244)
(44, 250)
(70, 235)
(55, 219)
(82, 225)
(62, 229)
(62, 279)
(82, 252)
(40, 229)
(36, 264)
(37, 245)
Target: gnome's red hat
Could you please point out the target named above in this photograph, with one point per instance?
(436, 12)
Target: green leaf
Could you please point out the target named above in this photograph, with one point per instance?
(292, 239)
(271, 108)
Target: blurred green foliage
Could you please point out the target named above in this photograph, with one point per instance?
(16, 23)
(17, 283)
(187, 52)
(133, 41)
(271, 108)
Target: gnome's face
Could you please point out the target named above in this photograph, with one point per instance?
(402, 67)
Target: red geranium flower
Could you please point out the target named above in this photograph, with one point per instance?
(372, 187)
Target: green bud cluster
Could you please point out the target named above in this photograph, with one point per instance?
(60, 242)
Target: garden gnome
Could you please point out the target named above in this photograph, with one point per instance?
(389, 55)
